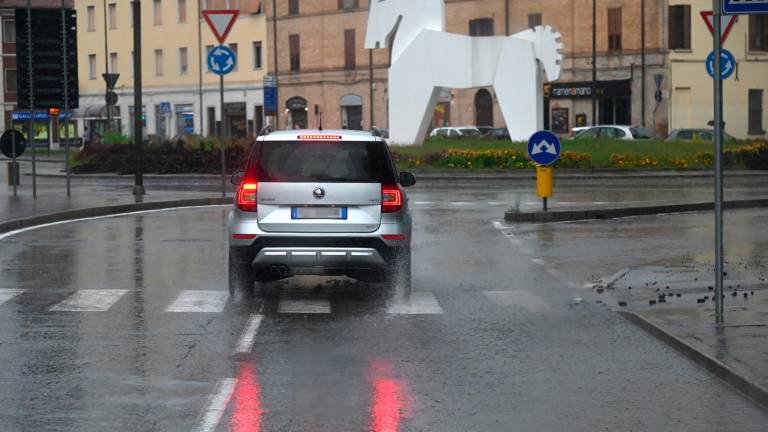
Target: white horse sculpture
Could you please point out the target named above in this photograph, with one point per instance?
(425, 59)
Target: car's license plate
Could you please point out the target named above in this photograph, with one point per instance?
(319, 213)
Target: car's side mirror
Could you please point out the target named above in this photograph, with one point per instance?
(407, 179)
(237, 178)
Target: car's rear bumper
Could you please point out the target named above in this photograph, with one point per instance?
(329, 257)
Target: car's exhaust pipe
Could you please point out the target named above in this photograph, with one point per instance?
(279, 269)
(284, 270)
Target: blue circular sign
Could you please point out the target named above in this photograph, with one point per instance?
(727, 64)
(544, 147)
(222, 60)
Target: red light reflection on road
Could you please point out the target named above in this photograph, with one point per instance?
(246, 411)
(391, 402)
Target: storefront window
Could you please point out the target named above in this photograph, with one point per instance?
(185, 120)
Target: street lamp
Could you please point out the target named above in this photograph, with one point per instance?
(138, 130)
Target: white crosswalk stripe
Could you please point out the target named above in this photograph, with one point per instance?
(199, 301)
(7, 294)
(418, 303)
(311, 306)
(90, 300)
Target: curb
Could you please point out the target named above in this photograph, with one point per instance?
(21, 223)
(754, 391)
(612, 213)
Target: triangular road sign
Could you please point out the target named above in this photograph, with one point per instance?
(220, 22)
(110, 79)
(726, 25)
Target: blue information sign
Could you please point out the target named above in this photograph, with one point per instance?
(745, 7)
(165, 107)
(222, 60)
(544, 147)
(270, 100)
(727, 64)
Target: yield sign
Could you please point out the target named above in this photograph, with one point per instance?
(220, 22)
(725, 26)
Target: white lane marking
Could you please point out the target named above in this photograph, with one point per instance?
(517, 298)
(215, 406)
(538, 261)
(554, 272)
(461, 203)
(7, 294)
(500, 225)
(90, 300)
(245, 343)
(423, 202)
(497, 203)
(36, 227)
(318, 306)
(199, 301)
(418, 303)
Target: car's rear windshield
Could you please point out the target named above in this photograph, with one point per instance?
(640, 133)
(325, 161)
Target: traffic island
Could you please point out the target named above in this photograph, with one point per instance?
(619, 212)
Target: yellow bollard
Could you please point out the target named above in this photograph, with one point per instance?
(544, 176)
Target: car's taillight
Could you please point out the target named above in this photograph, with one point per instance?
(246, 196)
(391, 199)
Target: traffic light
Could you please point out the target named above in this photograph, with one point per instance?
(47, 55)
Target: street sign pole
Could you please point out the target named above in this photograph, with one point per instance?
(222, 138)
(31, 131)
(138, 134)
(717, 22)
(15, 173)
(66, 94)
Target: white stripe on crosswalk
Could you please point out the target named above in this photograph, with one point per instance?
(90, 300)
(199, 301)
(245, 343)
(216, 406)
(316, 306)
(418, 303)
(517, 298)
(7, 294)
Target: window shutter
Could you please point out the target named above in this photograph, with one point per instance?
(686, 11)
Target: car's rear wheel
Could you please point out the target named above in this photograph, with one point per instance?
(399, 277)
(241, 278)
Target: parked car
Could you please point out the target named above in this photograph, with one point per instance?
(615, 132)
(577, 130)
(497, 134)
(320, 203)
(484, 130)
(695, 135)
(456, 132)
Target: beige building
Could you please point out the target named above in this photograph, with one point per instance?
(323, 64)
(692, 97)
(180, 95)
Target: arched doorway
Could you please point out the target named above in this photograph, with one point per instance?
(352, 112)
(483, 108)
(297, 113)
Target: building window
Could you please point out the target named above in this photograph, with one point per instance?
(91, 16)
(755, 126)
(534, 20)
(294, 49)
(614, 29)
(349, 4)
(481, 27)
(293, 7)
(91, 66)
(182, 11)
(112, 16)
(257, 53)
(183, 61)
(157, 11)
(11, 83)
(9, 31)
(758, 32)
(233, 47)
(159, 62)
(680, 27)
(113, 62)
(349, 50)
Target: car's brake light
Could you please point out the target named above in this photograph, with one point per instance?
(394, 237)
(391, 199)
(319, 137)
(246, 196)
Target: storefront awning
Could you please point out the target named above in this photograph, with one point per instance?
(96, 112)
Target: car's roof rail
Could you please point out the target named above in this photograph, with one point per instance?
(376, 132)
(266, 130)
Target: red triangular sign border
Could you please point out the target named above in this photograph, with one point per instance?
(729, 21)
(233, 16)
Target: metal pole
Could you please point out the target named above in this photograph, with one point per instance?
(506, 17)
(719, 317)
(370, 85)
(31, 131)
(642, 58)
(594, 62)
(200, 65)
(106, 68)
(138, 129)
(66, 93)
(274, 53)
(15, 172)
(222, 136)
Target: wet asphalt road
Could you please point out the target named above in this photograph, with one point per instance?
(124, 324)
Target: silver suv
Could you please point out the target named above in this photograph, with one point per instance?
(320, 203)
